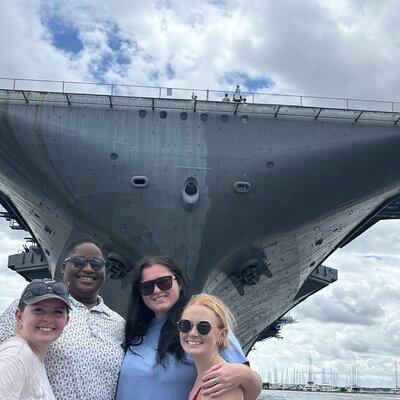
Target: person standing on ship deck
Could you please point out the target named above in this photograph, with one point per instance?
(84, 362)
(155, 365)
(237, 96)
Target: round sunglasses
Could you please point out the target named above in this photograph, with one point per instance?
(163, 283)
(41, 288)
(80, 262)
(203, 327)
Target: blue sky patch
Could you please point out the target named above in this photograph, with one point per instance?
(117, 57)
(252, 84)
(118, 44)
(63, 33)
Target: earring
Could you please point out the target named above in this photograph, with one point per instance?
(20, 326)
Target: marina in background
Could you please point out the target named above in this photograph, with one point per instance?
(287, 395)
(311, 380)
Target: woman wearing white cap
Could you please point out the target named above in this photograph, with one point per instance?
(42, 314)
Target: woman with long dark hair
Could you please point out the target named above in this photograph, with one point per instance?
(155, 365)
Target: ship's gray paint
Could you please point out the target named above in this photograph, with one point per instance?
(68, 169)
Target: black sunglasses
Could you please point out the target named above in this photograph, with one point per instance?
(80, 262)
(203, 327)
(41, 288)
(163, 283)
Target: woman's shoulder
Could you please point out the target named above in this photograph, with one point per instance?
(17, 350)
(13, 345)
(12, 359)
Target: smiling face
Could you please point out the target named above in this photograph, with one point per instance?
(160, 301)
(195, 344)
(42, 323)
(84, 282)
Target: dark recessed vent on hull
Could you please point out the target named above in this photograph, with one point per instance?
(190, 194)
(140, 181)
(242, 187)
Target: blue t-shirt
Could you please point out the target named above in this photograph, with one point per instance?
(141, 379)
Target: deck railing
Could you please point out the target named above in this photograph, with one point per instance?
(117, 89)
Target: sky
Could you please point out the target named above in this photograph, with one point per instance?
(340, 48)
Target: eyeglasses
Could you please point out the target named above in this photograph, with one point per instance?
(41, 288)
(80, 262)
(163, 283)
(203, 327)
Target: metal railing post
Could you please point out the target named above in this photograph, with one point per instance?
(252, 98)
(208, 94)
(112, 89)
(392, 106)
(301, 100)
(159, 93)
(14, 84)
(347, 103)
(62, 90)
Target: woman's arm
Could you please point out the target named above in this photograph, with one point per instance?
(227, 376)
(234, 394)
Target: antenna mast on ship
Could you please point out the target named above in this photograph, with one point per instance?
(310, 377)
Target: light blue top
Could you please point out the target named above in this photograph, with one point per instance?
(140, 379)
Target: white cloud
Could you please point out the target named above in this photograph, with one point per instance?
(356, 317)
(11, 283)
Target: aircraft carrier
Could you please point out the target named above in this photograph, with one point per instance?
(250, 197)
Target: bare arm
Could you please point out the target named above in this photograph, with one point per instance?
(234, 394)
(226, 376)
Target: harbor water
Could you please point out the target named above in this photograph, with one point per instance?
(294, 395)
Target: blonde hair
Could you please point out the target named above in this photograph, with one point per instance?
(222, 312)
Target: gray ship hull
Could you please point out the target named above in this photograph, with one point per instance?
(249, 201)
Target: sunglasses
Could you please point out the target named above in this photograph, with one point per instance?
(163, 283)
(80, 262)
(203, 327)
(41, 288)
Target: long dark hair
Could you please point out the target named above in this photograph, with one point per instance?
(140, 316)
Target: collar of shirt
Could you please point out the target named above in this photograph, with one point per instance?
(100, 307)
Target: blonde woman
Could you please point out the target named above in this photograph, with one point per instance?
(42, 314)
(204, 328)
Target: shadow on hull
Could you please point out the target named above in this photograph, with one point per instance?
(250, 202)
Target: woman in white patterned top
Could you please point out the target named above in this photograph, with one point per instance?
(42, 314)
